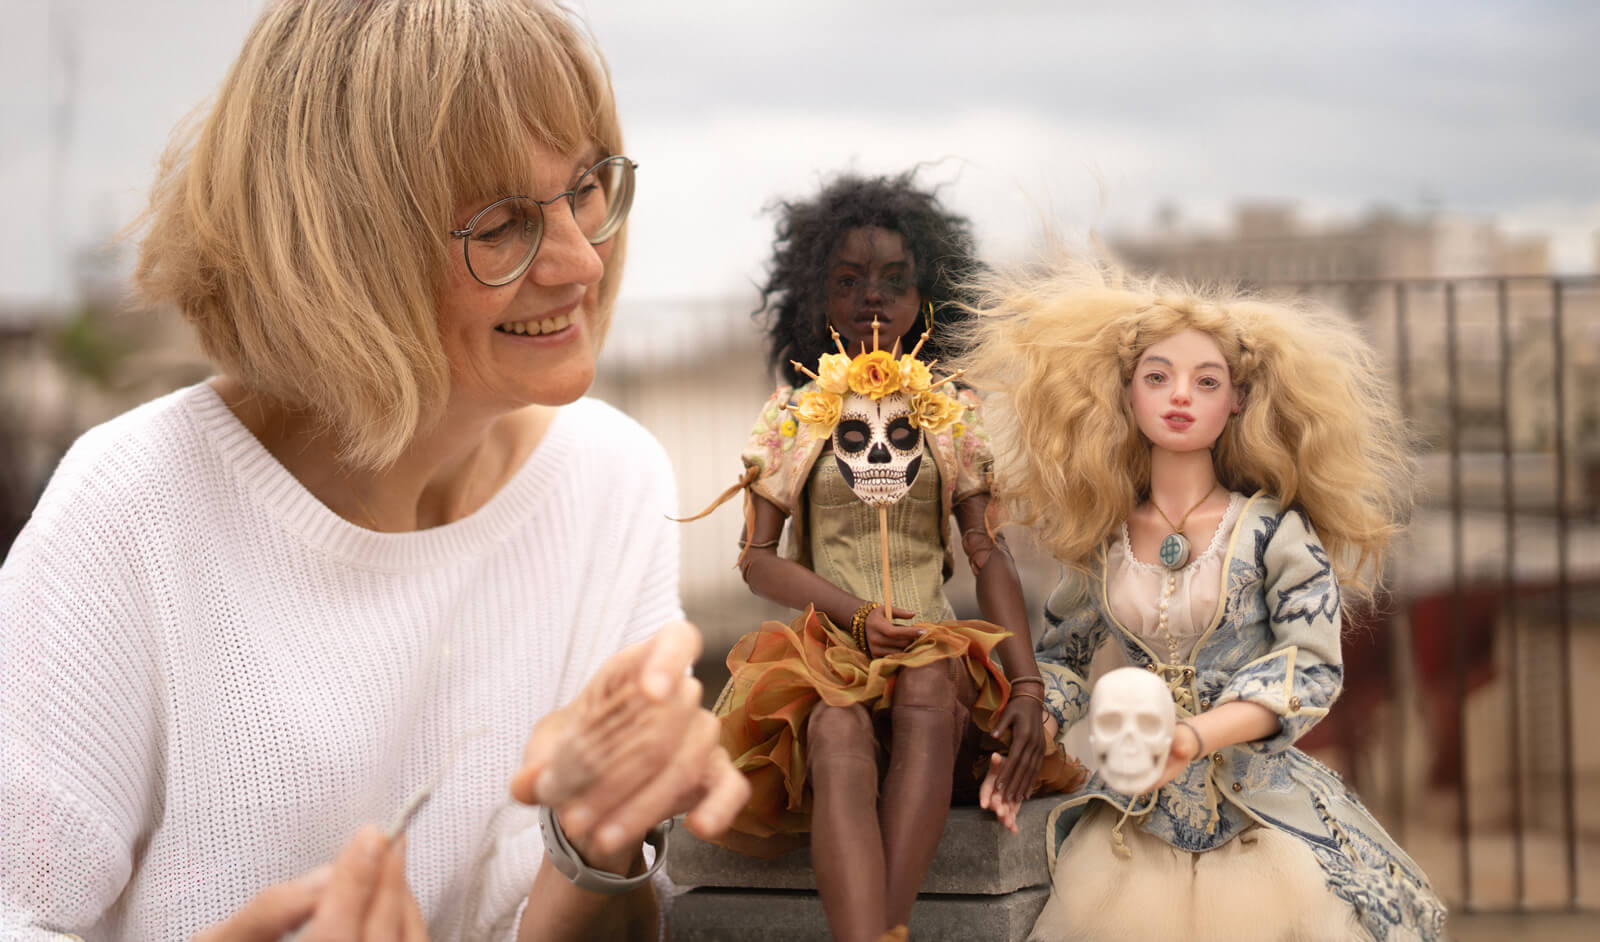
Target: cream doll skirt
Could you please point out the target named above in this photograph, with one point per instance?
(1262, 886)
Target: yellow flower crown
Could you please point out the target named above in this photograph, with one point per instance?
(875, 375)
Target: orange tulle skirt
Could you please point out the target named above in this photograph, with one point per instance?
(781, 672)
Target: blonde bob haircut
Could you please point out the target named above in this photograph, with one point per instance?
(301, 221)
(1055, 348)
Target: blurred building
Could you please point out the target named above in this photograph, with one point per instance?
(66, 367)
(1268, 243)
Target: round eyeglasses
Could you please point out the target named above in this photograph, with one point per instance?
(499, 243)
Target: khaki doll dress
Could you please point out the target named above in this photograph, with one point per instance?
(780, 672)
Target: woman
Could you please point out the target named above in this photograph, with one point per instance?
(372, 559)
(1217, 473)
(873, 262)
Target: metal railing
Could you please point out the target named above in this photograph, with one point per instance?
(1521, 598)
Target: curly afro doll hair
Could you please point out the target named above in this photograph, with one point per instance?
(809, 231)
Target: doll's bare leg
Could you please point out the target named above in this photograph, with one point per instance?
(929, 716)
(845, 850)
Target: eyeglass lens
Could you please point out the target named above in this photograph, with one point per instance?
(505, 236)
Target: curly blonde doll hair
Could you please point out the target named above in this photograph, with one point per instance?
(1054, 349)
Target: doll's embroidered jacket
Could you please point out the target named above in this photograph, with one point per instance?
(1273, 641)
(782, 451)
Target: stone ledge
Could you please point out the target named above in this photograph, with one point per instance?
(715, 915)
(976, 856)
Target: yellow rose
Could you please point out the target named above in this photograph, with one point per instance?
(875, 374)
(914, 374)
(833, 373)
(820, 408)
(933, 411)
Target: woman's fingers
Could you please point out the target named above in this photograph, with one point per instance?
(361, 895)
(386, 917)
(342, 911)
(529, 784)
(272, 913)
(663, 760)
(726, 792)
(644, 752)
(571, 747)
(666, 792)
(668, 656)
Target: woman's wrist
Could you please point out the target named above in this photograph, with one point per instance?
(625, 861)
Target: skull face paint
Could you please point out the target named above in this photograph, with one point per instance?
(1131, 722)
(876, 447)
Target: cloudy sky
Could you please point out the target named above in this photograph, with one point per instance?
(1075, 115)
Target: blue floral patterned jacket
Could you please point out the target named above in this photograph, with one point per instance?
(1274, 641)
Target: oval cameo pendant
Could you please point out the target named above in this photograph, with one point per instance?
(1174, 551)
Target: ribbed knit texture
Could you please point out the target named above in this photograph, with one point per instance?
(209, 680)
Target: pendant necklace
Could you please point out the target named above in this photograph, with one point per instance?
(1174, 550)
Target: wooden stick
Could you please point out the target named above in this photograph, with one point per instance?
(883, 538)
(796, 365)
(947, 379)
(874, 334)
(920, 341)
(836, 341)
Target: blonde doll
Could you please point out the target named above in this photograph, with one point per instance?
(1220, 475)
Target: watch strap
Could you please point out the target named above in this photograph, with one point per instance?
(570, 864)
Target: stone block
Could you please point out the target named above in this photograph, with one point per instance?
(976, 856)
(728, 915)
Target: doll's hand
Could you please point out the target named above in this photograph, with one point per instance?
(992, 797)
(1185, 749)
(1023, 719)
(886, 637)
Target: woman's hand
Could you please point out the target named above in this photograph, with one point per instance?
(886, 637)
(362, 895)
(633, 749)
(1020, 723)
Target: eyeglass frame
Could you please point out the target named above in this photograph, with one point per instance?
(465, 233)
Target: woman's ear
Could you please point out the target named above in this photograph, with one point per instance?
(1238, 399)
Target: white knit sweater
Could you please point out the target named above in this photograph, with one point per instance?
(208, 680)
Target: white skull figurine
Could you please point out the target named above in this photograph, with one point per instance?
(877, 448)
(1131, 721)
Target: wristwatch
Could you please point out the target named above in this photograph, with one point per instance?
(572, 866)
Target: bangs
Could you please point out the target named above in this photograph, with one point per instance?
(526, 78)
(303, 226)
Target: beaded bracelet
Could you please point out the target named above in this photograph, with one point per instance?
(858, 626)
